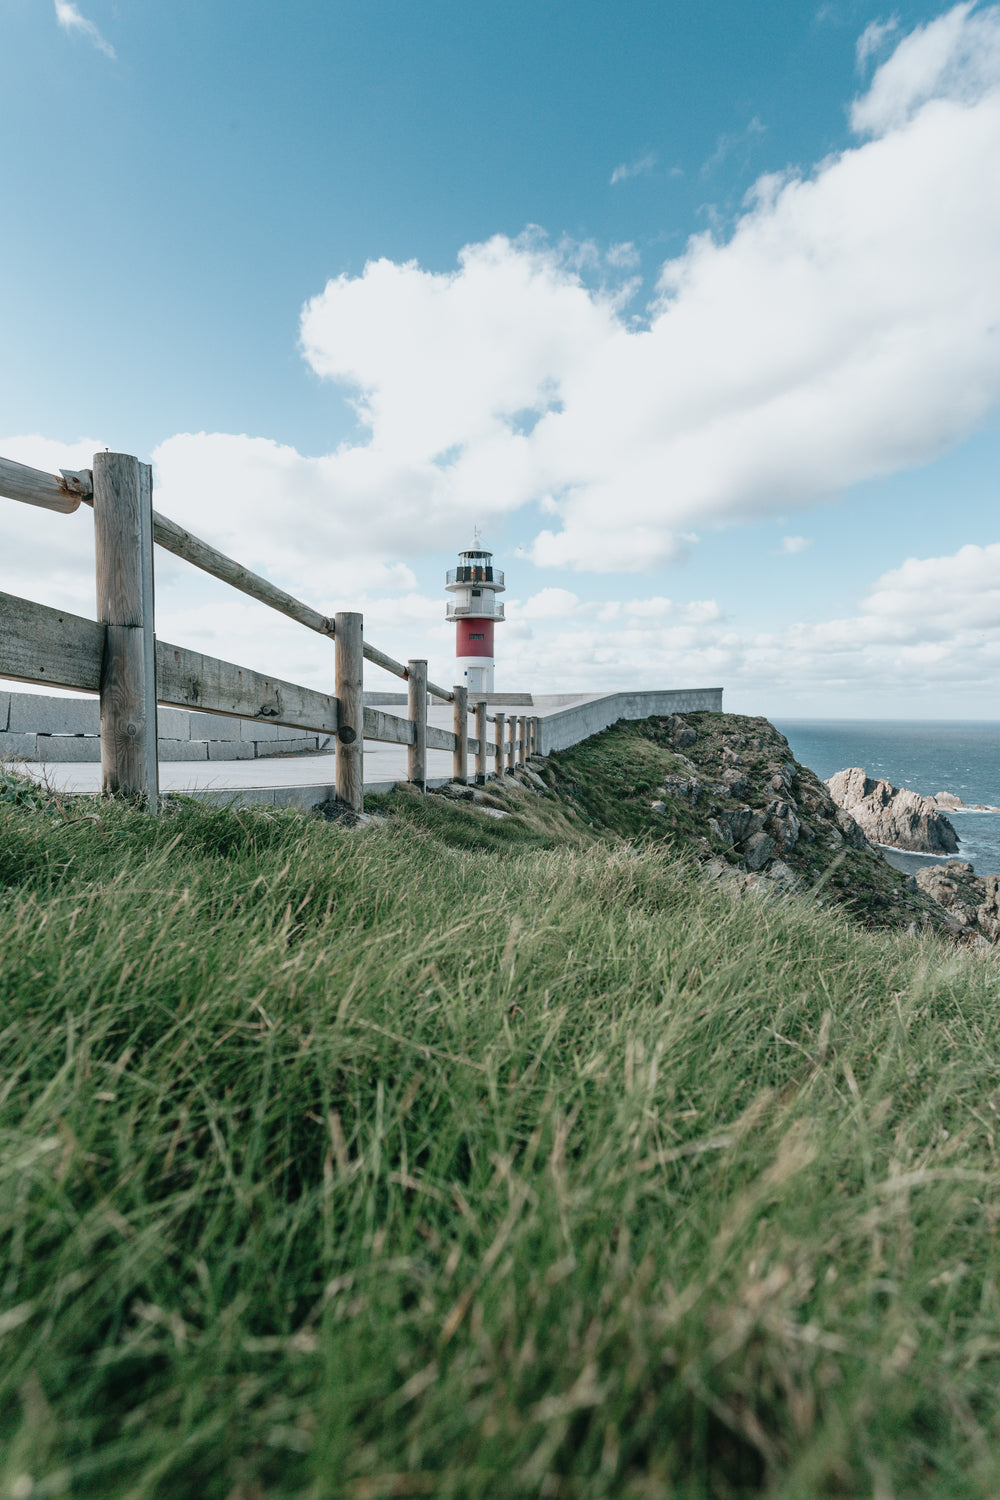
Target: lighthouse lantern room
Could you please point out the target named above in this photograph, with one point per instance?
(475, 610)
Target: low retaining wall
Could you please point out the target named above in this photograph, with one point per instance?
(568, 726)
(37, 727)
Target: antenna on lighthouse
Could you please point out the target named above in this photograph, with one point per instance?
(477, 536)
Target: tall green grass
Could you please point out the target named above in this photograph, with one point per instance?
(358, 1163)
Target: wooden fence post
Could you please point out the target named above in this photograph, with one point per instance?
(123, 541)
(498, 727)
(536, 735)
(460, 763)
(511, 742)
(417, 711)
(349, 769)
(522, 746)
(481, 762)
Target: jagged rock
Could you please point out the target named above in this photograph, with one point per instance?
(681, 731)
(946, 800)
(972, 901)
(758, 849)
(851, 829)
(658, 807)
(680, 786)
(736, 782)
(782, 778)
(741, 824)
(731, 757)
(890, 815)
(724, 835)
(783, 822)
(533, 777)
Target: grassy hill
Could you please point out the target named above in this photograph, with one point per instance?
(464, 1156)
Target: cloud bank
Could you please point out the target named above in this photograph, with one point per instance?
(848, 327)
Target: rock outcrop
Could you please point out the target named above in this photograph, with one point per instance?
(892, 815)
(727, 788)
(972, 901)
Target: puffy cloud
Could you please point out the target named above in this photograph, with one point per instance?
(849, 326)
(954, 58)
(70, 19)
(846, 328)
(790, 545)
(926, 633)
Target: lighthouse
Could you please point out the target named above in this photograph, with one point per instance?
(475, 610)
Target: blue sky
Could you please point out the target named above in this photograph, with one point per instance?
(183, 180)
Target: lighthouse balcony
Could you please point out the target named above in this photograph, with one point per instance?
(485, 609)
(458, 576)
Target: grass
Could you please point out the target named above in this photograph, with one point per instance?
(462, 1158)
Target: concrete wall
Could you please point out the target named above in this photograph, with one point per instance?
(569, 726)
(36, 727)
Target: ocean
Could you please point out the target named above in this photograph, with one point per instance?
(927, 756)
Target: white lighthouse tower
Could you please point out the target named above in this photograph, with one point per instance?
(475, 609)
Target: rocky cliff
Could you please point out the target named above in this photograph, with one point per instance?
(887, 814)
(727, 789)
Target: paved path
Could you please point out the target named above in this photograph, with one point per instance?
(292, 780)
(305, 780)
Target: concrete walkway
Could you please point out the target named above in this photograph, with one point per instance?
(307, 780)
(282, 781)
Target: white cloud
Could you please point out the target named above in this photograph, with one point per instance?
(790, 545)
(847, 328)
(638, 168)
(954, 59)
(70, 19)
(924, 631)
(872, 41)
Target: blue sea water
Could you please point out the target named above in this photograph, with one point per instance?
(925, 756)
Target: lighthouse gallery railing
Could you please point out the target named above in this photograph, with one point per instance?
(119, 657)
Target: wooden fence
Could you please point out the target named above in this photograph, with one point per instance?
(119, 657)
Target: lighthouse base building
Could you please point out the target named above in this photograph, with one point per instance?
(475, 609)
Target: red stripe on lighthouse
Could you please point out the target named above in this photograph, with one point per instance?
(475, 638)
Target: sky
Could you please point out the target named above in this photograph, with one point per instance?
(694, 308)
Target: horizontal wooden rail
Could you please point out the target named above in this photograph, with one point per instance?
(387, 728)
(181, 543)
(187, 679)
(49, 646)
(35, 487)
(380, 659)
(440, 692)
(43, 645)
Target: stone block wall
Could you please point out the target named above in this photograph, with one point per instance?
(39, 728)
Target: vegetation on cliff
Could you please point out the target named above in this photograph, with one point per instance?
(462, 1156)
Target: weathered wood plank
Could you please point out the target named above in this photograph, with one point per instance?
(34, 487)
(439, 739)
(49, 646)
(387, 728)
(187, 679)
(440, 692)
